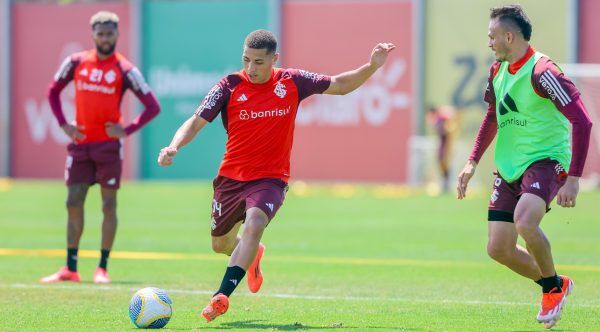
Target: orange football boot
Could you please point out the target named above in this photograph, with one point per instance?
(218, 305)
(254, 275)
(553, 302)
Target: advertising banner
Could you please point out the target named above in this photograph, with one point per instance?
(457, 58)
(188, 46)
(362, 136)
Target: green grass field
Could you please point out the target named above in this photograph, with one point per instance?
(338, 257)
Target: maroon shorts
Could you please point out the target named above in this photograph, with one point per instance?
(233, 198)
(98, 162)
(543, 178)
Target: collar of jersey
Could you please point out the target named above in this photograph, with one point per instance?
(110, 58)
(514, 68)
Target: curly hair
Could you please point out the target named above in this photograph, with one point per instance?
(103, 17)
(260, 39)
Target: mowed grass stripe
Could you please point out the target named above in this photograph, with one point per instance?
(141, 255)
(290, 296)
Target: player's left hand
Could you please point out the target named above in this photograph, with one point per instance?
(380, 53)
(567, 194)
(114, 130)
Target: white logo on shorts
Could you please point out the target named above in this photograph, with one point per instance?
(111, 182)
(68, 165)
(270, 206)
(535, 185)
(495, 196)
(217, 207)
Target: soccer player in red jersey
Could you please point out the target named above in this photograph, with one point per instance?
(532, 106)
(101, 77)
(258, 107)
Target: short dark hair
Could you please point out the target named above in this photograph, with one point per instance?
(103, 17)
(260, 39)
(515, 15)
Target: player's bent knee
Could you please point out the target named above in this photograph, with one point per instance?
(497, 253)
(221, 245)
(525, 228)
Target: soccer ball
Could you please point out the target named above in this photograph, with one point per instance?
(150, 307)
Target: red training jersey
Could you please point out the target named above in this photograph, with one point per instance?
(99, 88)
(259, 120)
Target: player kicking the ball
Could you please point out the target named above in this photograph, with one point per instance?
(258, 106)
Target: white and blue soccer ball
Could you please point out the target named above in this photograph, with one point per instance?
(150, 307)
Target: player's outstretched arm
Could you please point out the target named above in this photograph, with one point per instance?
(185, 134)
(463, 178)
(348, 81)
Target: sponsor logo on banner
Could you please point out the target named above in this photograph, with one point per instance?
(371, 104)
(183, 82)
(184, 85)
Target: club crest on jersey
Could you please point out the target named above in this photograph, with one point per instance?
(110, 76)
(280, 90)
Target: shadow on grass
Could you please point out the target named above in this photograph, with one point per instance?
(553, 330)
(262, 325)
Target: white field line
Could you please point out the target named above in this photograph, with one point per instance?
(293, 296)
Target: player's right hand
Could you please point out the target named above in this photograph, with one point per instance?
(165, 157)
(73, 131)
(463, 178)
(380, 54)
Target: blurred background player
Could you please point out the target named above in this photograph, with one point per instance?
(258, 106)
(101, 77)
(442, 120)
(531, 104)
